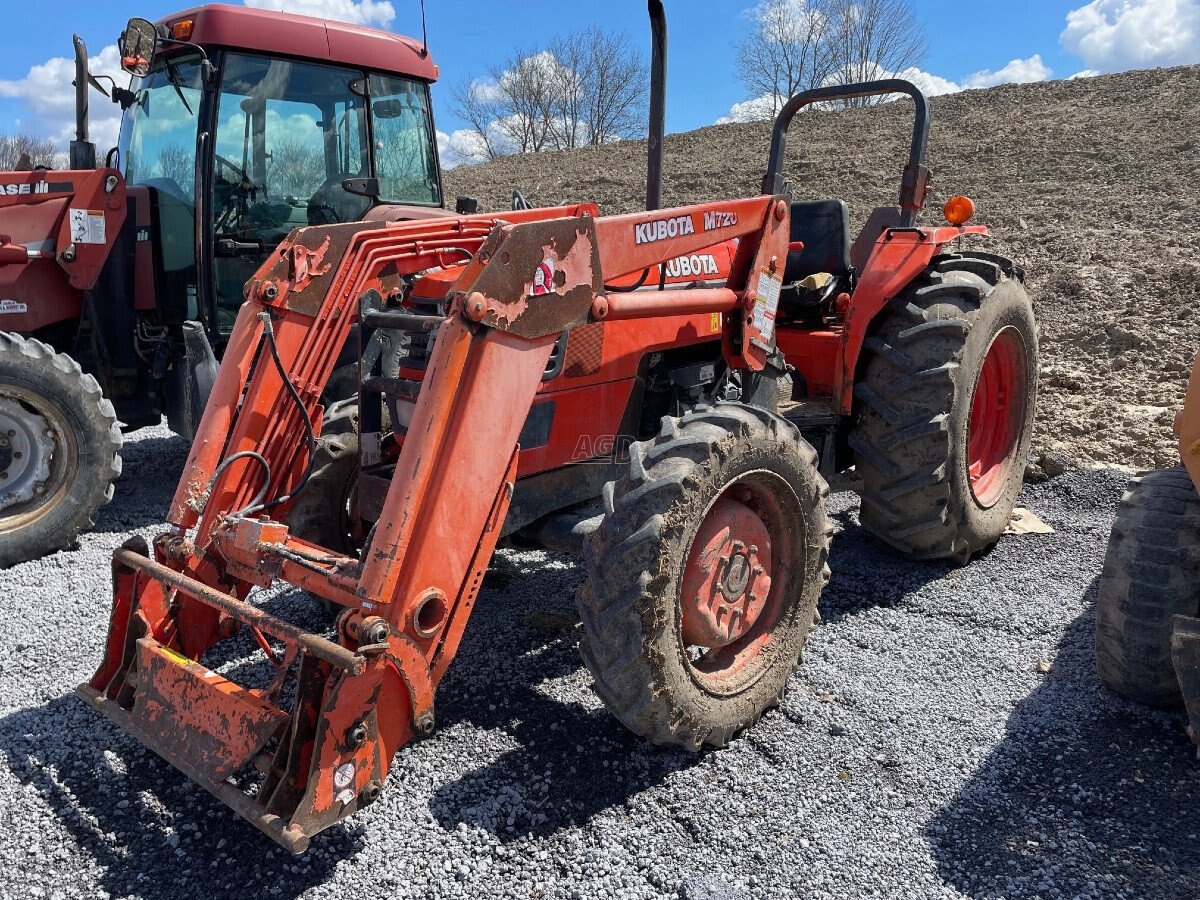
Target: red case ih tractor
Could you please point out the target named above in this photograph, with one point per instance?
(514, 368)
(119, 284)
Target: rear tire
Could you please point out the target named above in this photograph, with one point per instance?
(60, 446)
(945, 409)
(687, 643)
(1151, 574)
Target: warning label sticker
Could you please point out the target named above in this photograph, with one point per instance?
(766, 302)
(87, 226)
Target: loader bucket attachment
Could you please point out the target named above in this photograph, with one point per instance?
(315, 764)
(1185, 656)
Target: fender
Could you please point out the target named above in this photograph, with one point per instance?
(899, 256)
(58, 228)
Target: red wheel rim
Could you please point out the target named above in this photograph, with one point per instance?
(997, 418)
(732, 592)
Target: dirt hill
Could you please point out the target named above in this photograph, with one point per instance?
(1092, 185)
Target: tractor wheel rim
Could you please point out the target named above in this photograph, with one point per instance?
(732, 591)
(37, 450)
(997, 417)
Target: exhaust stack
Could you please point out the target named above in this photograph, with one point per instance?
(83, 151)
(658, 104)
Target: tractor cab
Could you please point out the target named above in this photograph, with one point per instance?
(242, 125)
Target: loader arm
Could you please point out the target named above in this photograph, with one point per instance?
(408, 595)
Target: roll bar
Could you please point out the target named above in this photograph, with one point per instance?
(916, 182)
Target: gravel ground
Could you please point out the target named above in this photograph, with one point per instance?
(921, 751)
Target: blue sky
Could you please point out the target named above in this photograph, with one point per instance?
(972, 43)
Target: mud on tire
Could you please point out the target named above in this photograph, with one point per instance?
(633, 624)
(60, 450)
(931, 356)
(1151, 574)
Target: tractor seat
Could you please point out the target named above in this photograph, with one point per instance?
(824, 227)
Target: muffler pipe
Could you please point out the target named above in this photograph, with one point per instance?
(83, 151)
(658, 104)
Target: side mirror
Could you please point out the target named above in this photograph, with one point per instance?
(136, 45)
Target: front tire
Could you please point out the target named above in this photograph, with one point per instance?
(60, 446)
(1151, 574)
(321, 512)
(945, 409)
(703, 578)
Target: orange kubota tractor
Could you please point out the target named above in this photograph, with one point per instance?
(119, 283)
(514, 368)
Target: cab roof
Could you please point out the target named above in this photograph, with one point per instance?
(306, 37)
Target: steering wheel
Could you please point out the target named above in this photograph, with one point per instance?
(236, 204)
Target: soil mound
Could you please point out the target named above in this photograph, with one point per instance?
(1092, 185)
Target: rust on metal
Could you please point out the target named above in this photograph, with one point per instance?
(183, 704)
(334, 654)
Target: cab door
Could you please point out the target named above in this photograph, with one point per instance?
(287, 135)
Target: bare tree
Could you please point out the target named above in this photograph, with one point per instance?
(787, 51)
(35, 151)
(479, 104)
(616, 87)
(873, 39)
(590, 90)
(800, 44)
(529, 86)
(297, 168)
(178, 163)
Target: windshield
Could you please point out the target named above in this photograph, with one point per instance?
(288, 136)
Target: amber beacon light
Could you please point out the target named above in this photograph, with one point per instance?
(959, 210)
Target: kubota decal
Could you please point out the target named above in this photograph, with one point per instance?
(543, 279)
(663, 229)
(700, 264)
(715, 220)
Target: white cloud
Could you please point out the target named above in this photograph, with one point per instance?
(932, 85)
(1019, 71)
(47, 93)
(1086, 73)
(1113, 35)
(356, 12)
(459, 148)
(750, 111)
(758, 109)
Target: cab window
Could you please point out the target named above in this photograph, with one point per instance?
(405, 155)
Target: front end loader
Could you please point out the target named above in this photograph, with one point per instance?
(662, 392)
(407, 595)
